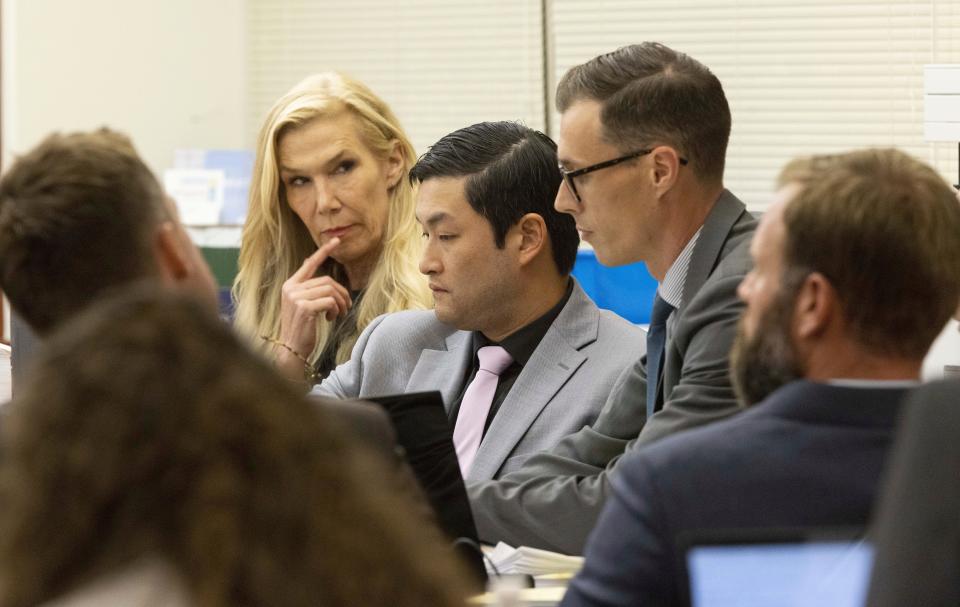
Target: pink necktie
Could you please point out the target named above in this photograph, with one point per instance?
(476, 402)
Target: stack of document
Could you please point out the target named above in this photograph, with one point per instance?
(533, 561)
(528, 597)
(553, 580)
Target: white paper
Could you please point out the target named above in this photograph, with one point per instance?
(198, 194)
(531, 560)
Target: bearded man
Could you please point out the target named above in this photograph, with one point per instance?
(856, 272)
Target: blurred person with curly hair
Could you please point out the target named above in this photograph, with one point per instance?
(151, 459)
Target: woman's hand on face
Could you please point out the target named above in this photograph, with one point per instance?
(304, 297)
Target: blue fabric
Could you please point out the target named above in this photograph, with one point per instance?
(656, 340)
(627, 290)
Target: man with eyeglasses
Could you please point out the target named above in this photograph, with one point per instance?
(857, 269)
(643, 138)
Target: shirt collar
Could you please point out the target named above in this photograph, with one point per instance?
(874, 383)
(521, 344)
(671, 289)
(808, 401)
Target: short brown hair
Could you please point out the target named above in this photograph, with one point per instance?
(654, 94)
(76, 215)
(147, 430)
(804, 169)
(884, 229)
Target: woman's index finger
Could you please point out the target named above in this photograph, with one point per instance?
(310, 265)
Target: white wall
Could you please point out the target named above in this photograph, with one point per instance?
(170, 73)
(945, 351)
(802, 78)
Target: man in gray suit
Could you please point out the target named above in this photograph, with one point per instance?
(643, 138)
(498, 257)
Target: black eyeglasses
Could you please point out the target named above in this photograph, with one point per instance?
(568, 176)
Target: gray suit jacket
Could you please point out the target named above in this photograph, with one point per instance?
(560, 390)
(554, 500)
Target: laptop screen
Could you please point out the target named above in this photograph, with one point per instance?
(811, 573)
(424, 432)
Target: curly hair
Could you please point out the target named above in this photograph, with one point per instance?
(146, 428)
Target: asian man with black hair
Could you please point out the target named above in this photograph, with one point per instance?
(520, 353)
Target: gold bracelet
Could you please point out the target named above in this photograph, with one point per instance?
(309, 372)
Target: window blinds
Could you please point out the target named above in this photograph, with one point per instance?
(440, 64)
(801, 78)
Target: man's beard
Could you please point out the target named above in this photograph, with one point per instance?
(762, 363)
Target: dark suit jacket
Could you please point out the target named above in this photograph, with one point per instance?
(917, 529)
(24, 345)
(554, 500)
(811, 455)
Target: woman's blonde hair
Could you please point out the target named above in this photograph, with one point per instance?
(275, 241)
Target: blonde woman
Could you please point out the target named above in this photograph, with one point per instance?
(330, 241)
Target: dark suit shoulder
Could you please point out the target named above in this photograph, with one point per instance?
(717, 301)
(736, 261)
(683, 453)
(916, 528)
(940, 396)
(732, 264)
(932, 417)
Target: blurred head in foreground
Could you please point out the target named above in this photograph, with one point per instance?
(856, 272)
(147, 433)
(81, 215)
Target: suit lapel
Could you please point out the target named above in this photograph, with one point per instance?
(553, 363)
(442, 370)
(706, 253)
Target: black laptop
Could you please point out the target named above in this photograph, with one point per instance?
(424, 432)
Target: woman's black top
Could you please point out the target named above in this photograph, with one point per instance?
(343, 327)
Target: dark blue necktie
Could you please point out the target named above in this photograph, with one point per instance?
(656, 340)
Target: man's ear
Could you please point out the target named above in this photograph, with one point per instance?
(815, 308)
(171, 259)
(394, 164)
(532, 236)
(666, 168)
